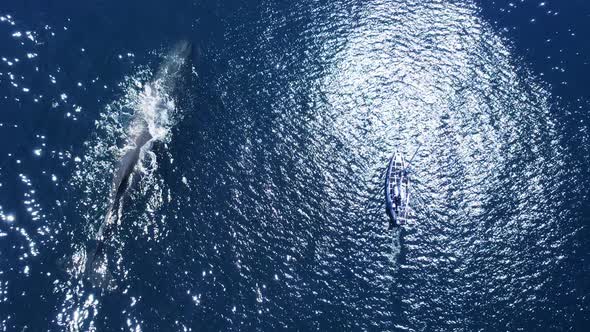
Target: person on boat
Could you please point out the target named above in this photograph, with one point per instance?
(397, 201)
(392, 218)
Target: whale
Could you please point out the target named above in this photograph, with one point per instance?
(140, 141)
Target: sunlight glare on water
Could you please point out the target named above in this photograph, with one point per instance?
(259, 202)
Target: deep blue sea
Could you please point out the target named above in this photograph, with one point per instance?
(258, 204)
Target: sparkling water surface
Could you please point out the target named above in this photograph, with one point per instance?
(259, 204)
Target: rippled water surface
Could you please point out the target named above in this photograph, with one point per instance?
(259, 202)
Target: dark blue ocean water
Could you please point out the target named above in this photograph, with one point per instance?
(259, 204)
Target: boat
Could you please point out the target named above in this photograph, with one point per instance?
(397, 191)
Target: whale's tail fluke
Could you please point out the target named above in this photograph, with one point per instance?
(97, 270)
(89, 264)
(96, 267)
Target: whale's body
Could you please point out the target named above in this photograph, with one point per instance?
(139, 143)
(122, 180)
